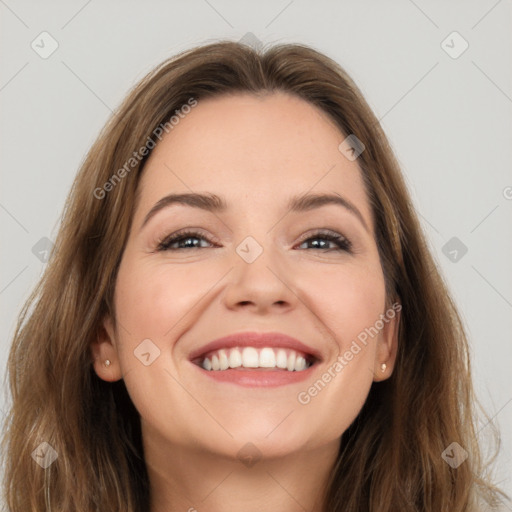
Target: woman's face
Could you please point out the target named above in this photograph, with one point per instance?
(257, 266)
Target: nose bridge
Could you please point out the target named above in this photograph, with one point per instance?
(259, 276)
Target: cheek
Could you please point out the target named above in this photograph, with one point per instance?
(348, 302)
(153, 298)
(154, 302)
(347, 299)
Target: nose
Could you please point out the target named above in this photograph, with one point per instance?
(260, 286)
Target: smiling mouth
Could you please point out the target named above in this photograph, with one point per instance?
(251, 358)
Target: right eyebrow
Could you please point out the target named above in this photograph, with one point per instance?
(208, 202)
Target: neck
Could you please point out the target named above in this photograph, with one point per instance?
(187, 479)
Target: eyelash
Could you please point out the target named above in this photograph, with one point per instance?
(343, 244)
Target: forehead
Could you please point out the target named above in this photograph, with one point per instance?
(263, 148)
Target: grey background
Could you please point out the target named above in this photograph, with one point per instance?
(448, 119)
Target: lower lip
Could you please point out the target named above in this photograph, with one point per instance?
(252, 377)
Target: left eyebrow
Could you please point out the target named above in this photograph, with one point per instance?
(311, 201)
(214, 203)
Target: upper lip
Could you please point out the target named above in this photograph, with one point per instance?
(257, 340)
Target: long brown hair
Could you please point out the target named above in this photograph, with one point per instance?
(390, 457)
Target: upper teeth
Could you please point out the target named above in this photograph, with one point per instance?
(250, 357)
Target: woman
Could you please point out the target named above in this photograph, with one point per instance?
(241, 312)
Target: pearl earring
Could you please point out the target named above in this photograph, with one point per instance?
(107, 362)
(383, 367)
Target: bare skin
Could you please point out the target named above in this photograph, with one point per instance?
(256, 153)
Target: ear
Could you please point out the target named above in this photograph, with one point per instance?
(387, 343)
(103, 349)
